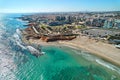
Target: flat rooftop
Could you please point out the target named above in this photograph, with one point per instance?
(100, 32)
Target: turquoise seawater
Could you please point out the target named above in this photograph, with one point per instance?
(57, 63)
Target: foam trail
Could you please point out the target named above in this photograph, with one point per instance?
(32, 49)
(19, 42)
(99, 61)
(18, 31)
(7, 66)
(18, 39)
(110, 66)
(8, 57)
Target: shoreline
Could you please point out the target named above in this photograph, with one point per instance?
(105, 51)
(103, 57)
(109, 57)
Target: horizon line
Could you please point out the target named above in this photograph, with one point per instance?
(60, 11)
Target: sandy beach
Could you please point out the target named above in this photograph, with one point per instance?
(105, 51)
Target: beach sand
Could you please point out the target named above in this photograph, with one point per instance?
(105, 51)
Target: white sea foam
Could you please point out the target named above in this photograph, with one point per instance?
(7, 66)
(18, 43)
(32, 49)
(18, 31)
(19, 20)
(43, 52)
(101, 62)
(18, 40)
(1, 24)
(2, 29)
(98, 60)
(108, 65)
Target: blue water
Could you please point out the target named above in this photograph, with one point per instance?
(58, 62)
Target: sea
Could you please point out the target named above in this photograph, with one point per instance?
(57, 63)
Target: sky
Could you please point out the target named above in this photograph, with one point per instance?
(26, 6)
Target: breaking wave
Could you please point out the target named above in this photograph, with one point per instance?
(8, 56)
(18, 39)
(108, 65)
(16, 63)
(7, 66)
(93, 58)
